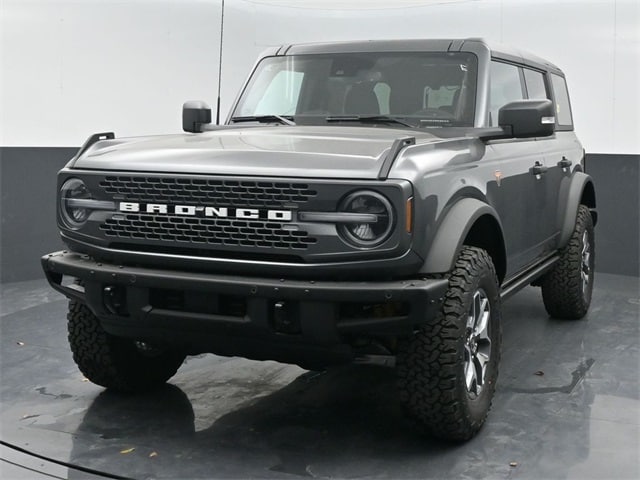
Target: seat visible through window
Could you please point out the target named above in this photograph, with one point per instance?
(362, 100)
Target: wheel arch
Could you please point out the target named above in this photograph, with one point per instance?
(468, 222)
(581, 191)
(588, 198)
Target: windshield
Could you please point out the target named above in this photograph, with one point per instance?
(422, 89)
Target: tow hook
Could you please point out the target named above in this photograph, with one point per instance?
(114, 299)
(285, 319)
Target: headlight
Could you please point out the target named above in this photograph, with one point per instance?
(371, 233)
(73, 206)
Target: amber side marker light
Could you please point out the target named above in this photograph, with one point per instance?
(409, 216)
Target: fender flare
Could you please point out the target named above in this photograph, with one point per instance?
(452, 232)
(572, 198)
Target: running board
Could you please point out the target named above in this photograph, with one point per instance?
(528, 276)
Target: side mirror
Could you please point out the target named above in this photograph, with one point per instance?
(528, 118)
(195, 114)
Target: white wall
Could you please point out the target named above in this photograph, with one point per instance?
(72, 68)
(596, 43)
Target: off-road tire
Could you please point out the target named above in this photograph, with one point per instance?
(114, 362)
(562, 288)
(431, 363)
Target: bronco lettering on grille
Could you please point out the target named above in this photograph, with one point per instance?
(206, 211)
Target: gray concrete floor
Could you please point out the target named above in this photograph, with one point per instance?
(234, 418)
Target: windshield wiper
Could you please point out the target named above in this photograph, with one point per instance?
(285, 120)
(368, 119)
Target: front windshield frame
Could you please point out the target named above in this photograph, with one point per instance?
(415, 87)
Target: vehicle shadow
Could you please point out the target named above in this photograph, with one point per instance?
(344, 422)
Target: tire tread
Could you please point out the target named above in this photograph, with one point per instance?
(114, 362)
(562, 287)
(429, 362)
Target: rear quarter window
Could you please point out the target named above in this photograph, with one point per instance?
(563, 107)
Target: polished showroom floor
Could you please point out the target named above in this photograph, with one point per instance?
(567, 406)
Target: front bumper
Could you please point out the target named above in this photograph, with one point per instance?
(295, 321)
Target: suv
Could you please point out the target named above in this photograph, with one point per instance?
(364, 201)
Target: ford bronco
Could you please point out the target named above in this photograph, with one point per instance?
(363, 202)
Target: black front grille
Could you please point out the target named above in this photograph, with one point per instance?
(203, 191)
(205, 231)
(241, 218)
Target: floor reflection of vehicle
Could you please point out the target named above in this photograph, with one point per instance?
(118, 430)
(344, 422)
(578, 418)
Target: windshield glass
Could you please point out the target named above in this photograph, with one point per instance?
(423, 89)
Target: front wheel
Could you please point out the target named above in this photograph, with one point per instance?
(114, 362)
(447, 370)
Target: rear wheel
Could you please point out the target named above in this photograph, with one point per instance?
(447, 370)
(114, 362)
(567, 289)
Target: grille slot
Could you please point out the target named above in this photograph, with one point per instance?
(202, 191)
(205, 231)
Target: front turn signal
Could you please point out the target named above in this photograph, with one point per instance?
(409, 215)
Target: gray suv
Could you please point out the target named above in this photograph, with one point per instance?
(365, 201)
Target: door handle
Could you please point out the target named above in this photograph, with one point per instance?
(539, 169)
(564, 163)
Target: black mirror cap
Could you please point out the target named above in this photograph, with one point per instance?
(528, 118)
(195, 114)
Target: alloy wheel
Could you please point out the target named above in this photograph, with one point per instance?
(477, 347)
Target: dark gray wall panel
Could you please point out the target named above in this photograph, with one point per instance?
(617, 181)
(28, 187)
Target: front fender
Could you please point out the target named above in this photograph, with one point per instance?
(447, 243)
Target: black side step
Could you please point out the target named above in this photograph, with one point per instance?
(511, 287)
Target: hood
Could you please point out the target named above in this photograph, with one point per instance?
(277, 151)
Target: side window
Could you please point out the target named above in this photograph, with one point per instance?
(505, 87)
(535, 85)
(281, 96)
(563, 109)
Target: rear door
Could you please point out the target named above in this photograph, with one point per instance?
(562, 153)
